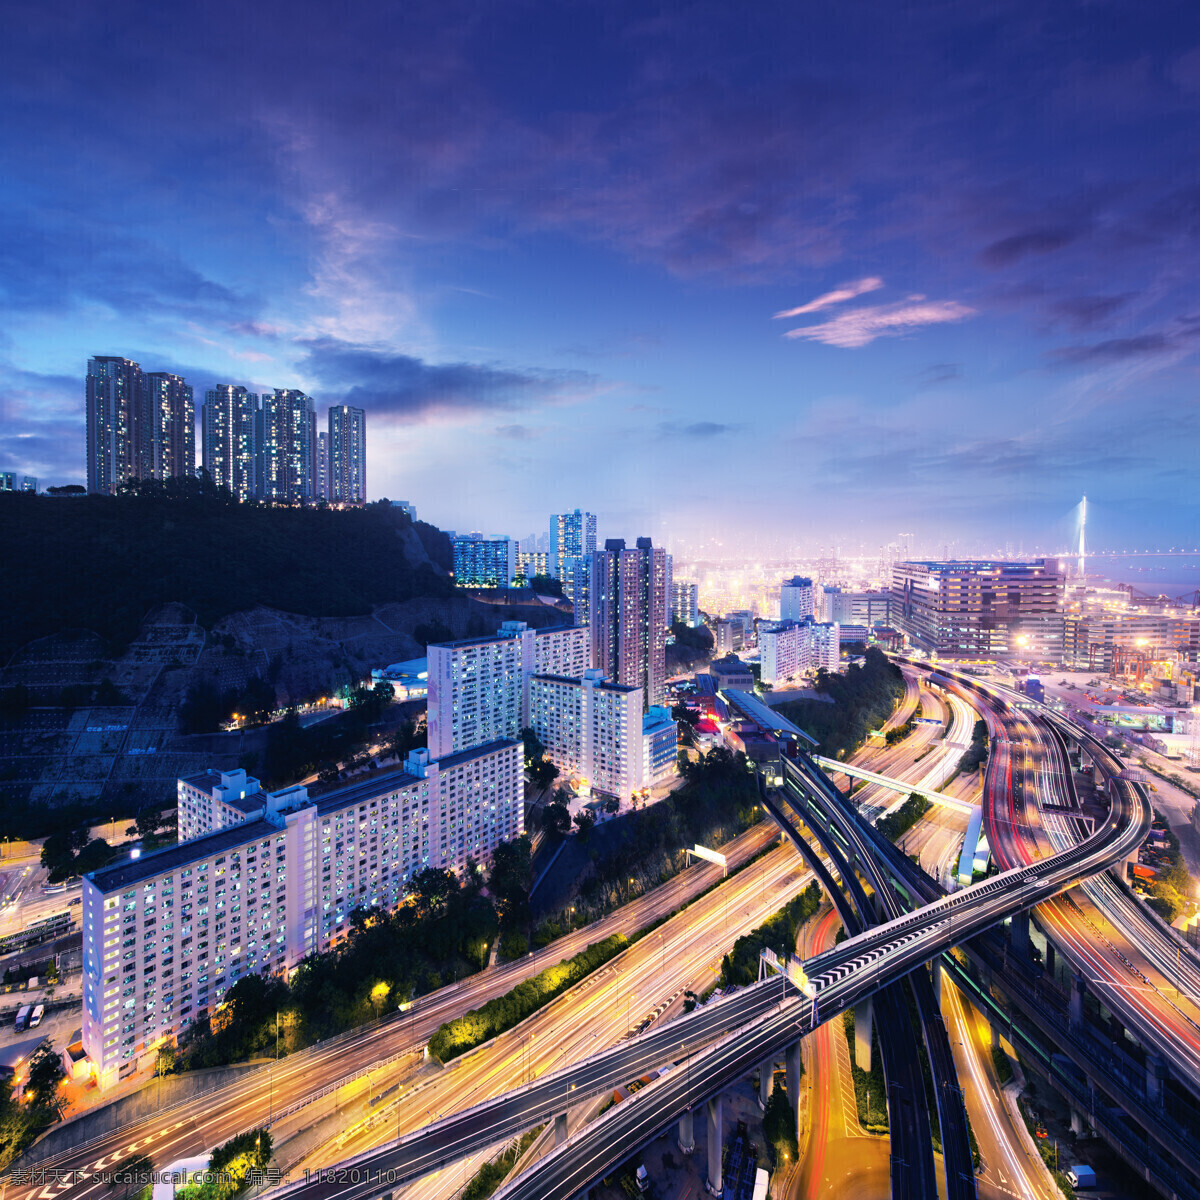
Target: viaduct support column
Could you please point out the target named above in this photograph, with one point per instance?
(1078, 988)
(1156, 1075)
(1018, 932)
(795, 1072)
(714, 1183)
(560, 1129)
(766, 1076)
(935, 977)
(687, 1140)
(864, 1028)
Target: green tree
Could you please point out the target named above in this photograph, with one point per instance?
(556, 818)
(131, 1177)
(534, 750)
(779, 1127)
(45, 1075)
(509, 880)
(147, 821)
(432, 889)
(585, 822)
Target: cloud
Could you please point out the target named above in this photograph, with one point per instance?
(848, 291)
(697, 429)
(390, 384)
(1118, 349)
(937, 373)
(1035, 241)
(861, 326)
(516, 433)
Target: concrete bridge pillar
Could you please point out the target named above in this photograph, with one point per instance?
(1156, 1076)
(1050, 962)
(864, 1029)
(795, 1072)
(714, 1183)
(766, 1076)
(1078, 989)
(1018, 932)
(935, 977)
(1077, 1121)
(560, 1129)
(997, 1034)
(687, 1140)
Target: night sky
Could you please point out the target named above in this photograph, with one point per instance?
(770, 269)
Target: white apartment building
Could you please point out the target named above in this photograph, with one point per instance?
(797, 599)
(167, 934)
(595, 732)
(479, 687)
(789, 649)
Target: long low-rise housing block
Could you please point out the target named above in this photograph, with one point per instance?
(261, 880)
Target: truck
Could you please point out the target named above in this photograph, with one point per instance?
(643, 1178)
(1081, 1176)
(36, 1016)
(23, 1017)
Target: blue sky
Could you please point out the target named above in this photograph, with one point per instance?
(546, 246)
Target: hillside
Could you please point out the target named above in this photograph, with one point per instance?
(118, 609)
(102, 563)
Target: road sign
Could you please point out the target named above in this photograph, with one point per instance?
(711, 856)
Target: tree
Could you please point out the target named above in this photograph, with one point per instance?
(534, 750)
(779, 1127)
(547, 585)
(147, 821)
(509, 881)
(132, 1176)
(543, 773)
(432, 888)
(585, 822)
(556, 818)
(45, 1074)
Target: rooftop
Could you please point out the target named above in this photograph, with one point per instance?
(464, 756)
(762, 716)
(149, 866)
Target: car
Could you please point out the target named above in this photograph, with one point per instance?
(35, 1018)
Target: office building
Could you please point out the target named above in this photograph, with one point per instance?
(854, 608)
(166, 935)
(628, 616)
(790, 649)
(727, 637)
(685, 606)
(572, 537)
(797, 599)
(479, 687)
(347, 471)
(29, 483)
(1118, 640)
(481, 562)
(286, 446)
(987, 609)
(228, 424)
(731, 672)
(595, 732)
(170, 436)
(8, 481)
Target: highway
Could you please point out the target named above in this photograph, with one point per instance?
(1009, 1166)
(840, 1158)
(683, 954)
(1136, 968)
(199, 1124)
(857, 968)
